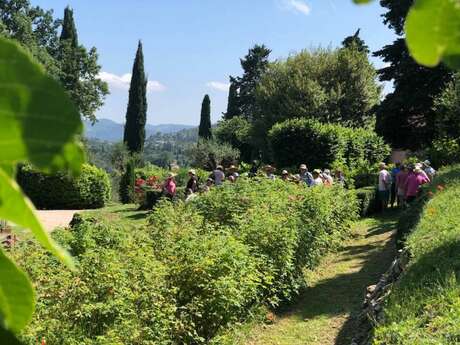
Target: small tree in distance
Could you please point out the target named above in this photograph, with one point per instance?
(204, 130)
(233, 108)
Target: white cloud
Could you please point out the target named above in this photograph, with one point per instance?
(122, 82)
(218, 85)
(298, 6)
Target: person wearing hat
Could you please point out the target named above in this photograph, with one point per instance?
(285, 175)
(414, 181)
(218, 175)
(169, 186)
(233, 172)
(419, 166)
(317, 180)
(269, 172)
(384, 186)
(328, 180)
(305, 175)
(192, 183)
(208, 185)
(429, 170)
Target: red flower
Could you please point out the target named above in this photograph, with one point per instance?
(140, 182)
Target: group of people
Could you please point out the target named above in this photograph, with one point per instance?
(216, 178)
(402, 184)
(311, 179)
(219, 175)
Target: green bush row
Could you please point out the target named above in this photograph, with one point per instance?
(424, 308)
(194, 270)
(243, 245)
(91, 189)
(368, 203)
(320, 145)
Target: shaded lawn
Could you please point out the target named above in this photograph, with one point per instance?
(325, 312)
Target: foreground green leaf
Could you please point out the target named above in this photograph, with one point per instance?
(8, 338)
(19, 210)
(17, 299)
(433, 32)
(39, 123)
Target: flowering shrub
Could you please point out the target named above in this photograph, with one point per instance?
(194, 270)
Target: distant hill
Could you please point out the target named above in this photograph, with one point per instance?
(108, 130)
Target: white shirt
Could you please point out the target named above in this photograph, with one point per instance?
(317, 182)
(384, 180)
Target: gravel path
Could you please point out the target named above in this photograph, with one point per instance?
(56, 218)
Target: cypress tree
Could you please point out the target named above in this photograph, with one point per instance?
(233, 108)
(69, 31)
(204, 131)
(69, 54)
(136, 114)
(127, 181)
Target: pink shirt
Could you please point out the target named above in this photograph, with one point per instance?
(401, 179)
(414, 181)
(170, 187)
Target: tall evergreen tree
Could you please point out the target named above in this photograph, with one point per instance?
(406, 116)
(69, 53)
(204, 130)
(233, 108)
(69, 31)
(355, 42)
(254, 64)
(136, 114)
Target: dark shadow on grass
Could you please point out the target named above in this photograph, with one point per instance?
(127, 210)
(139, 216)
(344, 292)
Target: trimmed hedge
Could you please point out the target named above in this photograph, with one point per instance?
(320, 145)
(91, 189)
(368, 203)
(424, 307)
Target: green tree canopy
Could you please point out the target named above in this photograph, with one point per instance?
(355, 42)
(406, 117)
(136, 114)
(64, 59)
(254, 65)
(333, 86)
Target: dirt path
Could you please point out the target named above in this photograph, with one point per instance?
(56, 218)
(323, 315)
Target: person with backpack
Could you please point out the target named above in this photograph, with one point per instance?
(305, 176)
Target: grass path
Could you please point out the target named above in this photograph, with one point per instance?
(323, 314)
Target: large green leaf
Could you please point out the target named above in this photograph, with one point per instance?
(38, 122)
(17, 299)
(8, 338)
(19, 210)
(433, 32)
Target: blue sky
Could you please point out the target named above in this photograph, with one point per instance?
(192, 46)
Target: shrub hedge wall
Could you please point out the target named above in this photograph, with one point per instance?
(320, 145)
(424, 307)
(368, 203)
(90, 190)
(194, 270)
